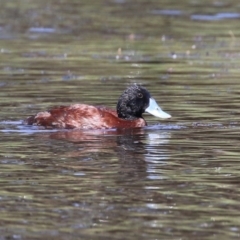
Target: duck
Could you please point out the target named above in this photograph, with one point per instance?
(132, 103)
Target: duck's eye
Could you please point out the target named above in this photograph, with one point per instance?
(140, 95)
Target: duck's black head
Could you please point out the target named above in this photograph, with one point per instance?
(134, 101)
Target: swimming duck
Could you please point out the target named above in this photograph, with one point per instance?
(132, 103)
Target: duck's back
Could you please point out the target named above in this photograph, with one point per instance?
(81, 116)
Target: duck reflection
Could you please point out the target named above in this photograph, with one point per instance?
(136, 150)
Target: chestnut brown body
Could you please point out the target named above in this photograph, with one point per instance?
(84, 117)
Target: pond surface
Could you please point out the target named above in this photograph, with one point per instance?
(174, 179)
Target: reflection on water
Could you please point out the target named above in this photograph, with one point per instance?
(202, 17)
(108, 162)
(216, 17)
(174, 179)
(102, 179)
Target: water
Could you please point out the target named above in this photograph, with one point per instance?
(174, 179)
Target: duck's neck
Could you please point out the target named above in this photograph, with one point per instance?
(127, 114)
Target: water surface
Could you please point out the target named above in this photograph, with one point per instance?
(175, 179)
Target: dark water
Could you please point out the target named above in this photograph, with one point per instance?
(175, 179)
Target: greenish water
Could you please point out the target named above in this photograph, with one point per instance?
(175, 179)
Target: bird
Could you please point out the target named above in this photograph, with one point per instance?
(132, 103)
